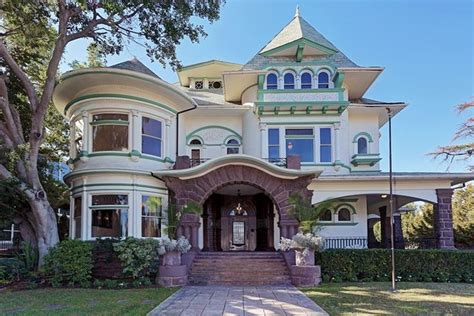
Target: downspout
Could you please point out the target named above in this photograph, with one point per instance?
(177, 127)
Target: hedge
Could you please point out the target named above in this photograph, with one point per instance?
(417, 265)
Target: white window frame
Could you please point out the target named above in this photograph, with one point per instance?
(318, 145)
(330, 83)
(227, 146)
(278, 80)
(91, 129)
(138, 222)
(312, 78)
(336, 214)
(163, 134)
(131, 215)
(283, 141)
(356, 145)
(295, 82)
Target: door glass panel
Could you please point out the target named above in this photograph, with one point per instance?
(238, 233)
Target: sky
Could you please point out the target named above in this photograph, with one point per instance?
(426, 47)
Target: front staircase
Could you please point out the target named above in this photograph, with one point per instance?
(239, 268)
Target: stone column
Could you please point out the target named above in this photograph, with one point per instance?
(383, 226)
(398, 231)
(288, 228)
(86, 142)
(443, 219)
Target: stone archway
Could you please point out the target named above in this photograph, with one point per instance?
(278, 189)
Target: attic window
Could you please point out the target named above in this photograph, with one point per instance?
(198, 85)
(289, 81)
(215, 84)
(323, 80)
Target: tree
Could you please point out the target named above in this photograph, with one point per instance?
(94, 58)
(158, 26)
(465, 131)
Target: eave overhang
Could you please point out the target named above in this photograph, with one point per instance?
(358, 80)
(207, 69)
(72, 87)
(236, 82)
(454, 178)
(380, 108)
(239, 160)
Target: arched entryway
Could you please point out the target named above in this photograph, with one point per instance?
(240, 217)
(204, 183)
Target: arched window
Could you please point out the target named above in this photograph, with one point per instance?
(344, 215)
(323, 80)
(289, 81)
(272, 81)
(306, 81)
(362, 147)
(232, 146)
(326, 216)
(195, 142)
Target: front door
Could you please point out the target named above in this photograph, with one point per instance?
(238, 235)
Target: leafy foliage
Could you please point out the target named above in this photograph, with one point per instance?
(69, 262)
(305, 213)
(339, 265)
(139, 257)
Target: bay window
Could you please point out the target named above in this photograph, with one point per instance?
(152, 133)
(300, 142)
(151, 216)
(110, 132)
(109, 215)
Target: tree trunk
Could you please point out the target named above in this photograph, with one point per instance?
(27, 231)
(46, 228)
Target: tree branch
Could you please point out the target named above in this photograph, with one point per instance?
(21, 75)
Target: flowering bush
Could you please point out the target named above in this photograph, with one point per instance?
(302, 242)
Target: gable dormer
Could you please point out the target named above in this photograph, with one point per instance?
(206, 75)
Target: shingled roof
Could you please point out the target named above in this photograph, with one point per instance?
(135, 65)
(297, 29)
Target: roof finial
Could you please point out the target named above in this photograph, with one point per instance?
(297, 14)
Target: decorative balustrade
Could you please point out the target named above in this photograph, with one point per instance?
(197, 162)
(280, 162)
(345, 243)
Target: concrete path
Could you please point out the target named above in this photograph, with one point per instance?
(236, 301)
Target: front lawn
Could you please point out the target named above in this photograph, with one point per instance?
(411, 298)
(82, 301)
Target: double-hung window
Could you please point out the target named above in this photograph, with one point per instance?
(109, 214)
(273, 144)
(152, 136)
(300, 142)
(151, 216)
(325, 144)
(110, 132)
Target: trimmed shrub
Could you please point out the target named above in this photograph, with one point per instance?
(413, 265)
(139, 257)
(69, 262)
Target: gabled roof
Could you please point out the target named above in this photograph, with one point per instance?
(208, 69)
(297, 29)
(135, 65)
(299, 38)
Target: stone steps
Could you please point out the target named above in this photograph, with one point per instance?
(239, 268)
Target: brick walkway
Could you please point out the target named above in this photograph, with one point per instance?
(237, 300)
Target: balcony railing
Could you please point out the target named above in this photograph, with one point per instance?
(197, 162)
(280, 162)
(345, 243)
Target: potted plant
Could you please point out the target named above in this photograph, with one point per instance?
(171, 250)
(304, 246)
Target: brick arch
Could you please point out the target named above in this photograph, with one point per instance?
(199, 189)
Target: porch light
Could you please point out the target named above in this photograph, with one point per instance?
(383, 196)
(239, 210)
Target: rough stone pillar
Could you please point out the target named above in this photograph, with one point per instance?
(288, 228)
(293, 162)
(398, 231)
(182, 162)
(189, 228)
(383, 226)
(443, 219)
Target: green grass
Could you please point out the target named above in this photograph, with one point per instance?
(411, 298)
(82, 301)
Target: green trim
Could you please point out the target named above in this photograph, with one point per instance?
(204, 63)
(336, 224)
(109, 122)
(302, 103)
(301, 123)
(135, 153)
(271, 66)
(367, 135)
(298, 42)
(299, 53)
(347, 205)
(365, 171)
(106, 207)
(140, 76)
(117, 96)
(190, 135)
(117, 184)
(195, 137)
(339, 79)
(273, 91)
(261, 81)
(365, 159)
